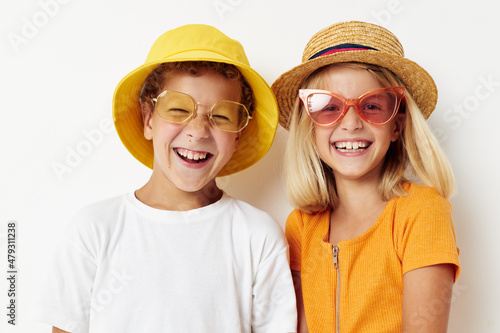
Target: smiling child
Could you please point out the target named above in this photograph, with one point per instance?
(178, 254)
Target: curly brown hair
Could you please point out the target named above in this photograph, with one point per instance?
(155, 80)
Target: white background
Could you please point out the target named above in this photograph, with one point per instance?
(61, 61)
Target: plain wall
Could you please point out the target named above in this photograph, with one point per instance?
(61, 61)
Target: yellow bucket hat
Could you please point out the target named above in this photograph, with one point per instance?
(196, 42)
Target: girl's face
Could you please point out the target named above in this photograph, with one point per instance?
(353, 148)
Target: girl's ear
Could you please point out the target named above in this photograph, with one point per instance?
(147, 120)
(399, 123)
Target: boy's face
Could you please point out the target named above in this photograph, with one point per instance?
(189, 156)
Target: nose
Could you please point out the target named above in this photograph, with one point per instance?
(198, 127)
(351, 120)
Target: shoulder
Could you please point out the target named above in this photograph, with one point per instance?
(90, 227)
(249, 213)
(300, 218)
(254, 221)
(98, 214)
(423, 206)
(103, 206)
(422, 198)
(257, 232)
(301, 225)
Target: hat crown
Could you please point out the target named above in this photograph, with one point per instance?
(353, 32)
(357, 42)
(196, 37)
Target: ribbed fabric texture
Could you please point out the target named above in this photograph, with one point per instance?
(413, 231)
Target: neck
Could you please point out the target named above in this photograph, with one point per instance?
(158, 195)
(357, 198)
(358, 209)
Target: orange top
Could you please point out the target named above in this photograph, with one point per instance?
(413, 231)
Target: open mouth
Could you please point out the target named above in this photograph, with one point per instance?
(351, 147)
(192, 156)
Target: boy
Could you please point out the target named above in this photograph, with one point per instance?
(179, 255)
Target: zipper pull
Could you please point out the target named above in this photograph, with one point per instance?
(335, 256)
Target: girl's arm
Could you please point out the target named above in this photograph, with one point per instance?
(427, 293)
(58, 330)
(301, 315)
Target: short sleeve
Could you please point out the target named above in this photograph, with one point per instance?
(425, 232)
(274, 308)
(64, 299)
(293, 232)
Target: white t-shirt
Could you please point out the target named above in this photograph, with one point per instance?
(126, 267)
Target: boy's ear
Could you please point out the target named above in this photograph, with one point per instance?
(147, 120)
(400, 122)
(238, 137)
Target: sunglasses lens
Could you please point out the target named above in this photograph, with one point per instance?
(230, 116)
(175, 107)
(379, 107)
(178, 107)
(324, 109)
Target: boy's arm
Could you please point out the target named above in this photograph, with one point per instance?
(65, 295)
(274, 305)
(427, 293)
(301, 315)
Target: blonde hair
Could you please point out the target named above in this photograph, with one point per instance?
(309, 182)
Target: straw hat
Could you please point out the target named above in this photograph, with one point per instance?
(196, 42)
(355, 42)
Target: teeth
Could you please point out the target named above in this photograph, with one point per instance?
(351, 146)
(191, 155)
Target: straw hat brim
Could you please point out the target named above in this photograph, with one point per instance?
(419, 83)
(254, 142)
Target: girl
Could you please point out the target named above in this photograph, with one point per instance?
(370, 250)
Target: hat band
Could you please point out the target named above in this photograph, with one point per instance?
(341, 48)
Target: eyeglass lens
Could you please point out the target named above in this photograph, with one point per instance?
(178, 107)
(377, 107)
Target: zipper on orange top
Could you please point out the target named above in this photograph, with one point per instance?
(336, 266)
